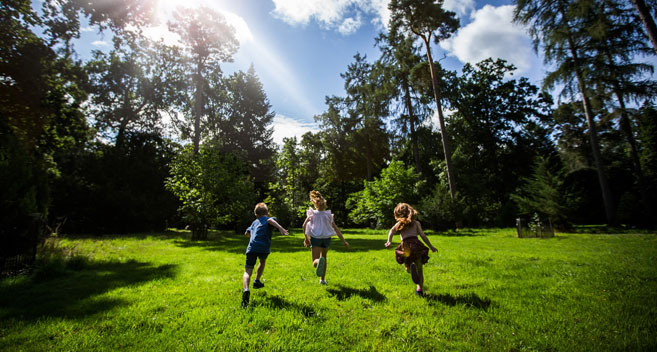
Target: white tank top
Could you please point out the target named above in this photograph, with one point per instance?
(319, 223)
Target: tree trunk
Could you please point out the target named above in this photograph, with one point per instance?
(626, 127)
(441, 122)
(411, 122)
(648, 21)
(198, 109)
(593, 134)
(593, 138)
(368, 159)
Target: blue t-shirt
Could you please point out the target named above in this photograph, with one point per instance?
(260, 241)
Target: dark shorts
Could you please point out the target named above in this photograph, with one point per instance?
(251, 259)
(320, 242)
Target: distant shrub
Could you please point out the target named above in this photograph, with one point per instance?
(375, 203)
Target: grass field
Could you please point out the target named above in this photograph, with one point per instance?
(486, 290)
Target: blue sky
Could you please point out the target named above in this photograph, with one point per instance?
(300, 47)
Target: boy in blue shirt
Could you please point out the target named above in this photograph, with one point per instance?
(259, 247)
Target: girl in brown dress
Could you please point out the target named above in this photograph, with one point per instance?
(410, 252)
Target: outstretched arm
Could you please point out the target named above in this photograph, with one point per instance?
(280, 228)
(390, 233)
(306, 240)
(337, 232)
(424, 237)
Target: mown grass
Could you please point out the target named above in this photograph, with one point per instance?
(486, 290)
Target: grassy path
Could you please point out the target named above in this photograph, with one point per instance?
(486, 290)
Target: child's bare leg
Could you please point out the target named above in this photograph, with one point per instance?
(261, 269)
(246, 279)
(418, 265)
(324, 253)
(317, 252)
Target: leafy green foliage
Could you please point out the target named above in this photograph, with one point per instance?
(214, 189)
(374, 205)
(544, 193)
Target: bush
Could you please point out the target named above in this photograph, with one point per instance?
(374, 205)
(214, 188)
(439, 211)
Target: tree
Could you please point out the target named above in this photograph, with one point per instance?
(375, 203)
(648, 21)
(214, 189)
(398, 58)
(543, 193)
(240, 118)
(427, 19)
(615, 39)
(497, 133)
(558, 27)
(207, 40)
(126, 94)
(366, 104)
(40, 117)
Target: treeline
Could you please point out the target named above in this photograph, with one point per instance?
(84, 143)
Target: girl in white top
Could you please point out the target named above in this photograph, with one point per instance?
(318, 229)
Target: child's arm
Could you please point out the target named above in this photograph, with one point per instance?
(306, 240)
(390, 233)
(280, 228)
(424, 237)
(247, 233)
(337, 232)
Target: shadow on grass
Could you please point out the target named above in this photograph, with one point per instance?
(277, 302)
(342, 293)
(470, 300)
(74, 294)
(237, 243)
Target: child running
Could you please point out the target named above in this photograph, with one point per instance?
(259, 248)
(318, 229)
(411, 252)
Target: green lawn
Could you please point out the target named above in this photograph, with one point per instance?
(486, 290)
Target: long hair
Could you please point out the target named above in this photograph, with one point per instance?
(404, 214)
(318, 201)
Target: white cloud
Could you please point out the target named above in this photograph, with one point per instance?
(343, 16)
(433, 122)
(349, 25)
(87, 29)
(460, 7)
(491, 33)
(160, 31)
(287, 127)
(99, 43)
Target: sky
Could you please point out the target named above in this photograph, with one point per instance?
(299, 47)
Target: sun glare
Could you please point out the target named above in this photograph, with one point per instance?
(167, 7)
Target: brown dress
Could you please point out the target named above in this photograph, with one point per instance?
(411, 249)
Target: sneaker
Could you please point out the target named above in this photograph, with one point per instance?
(321, 266)
(419, 293)
(414, 274)
(258, 284)
(322, 282)
(245, 298)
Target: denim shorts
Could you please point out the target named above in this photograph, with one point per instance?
(251, 259)
(320, 242)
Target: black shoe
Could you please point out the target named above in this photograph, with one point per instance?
(419, 293)
(258, 284)
(414, 274)
(245, 298)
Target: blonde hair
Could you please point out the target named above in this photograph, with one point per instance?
(405, 215)
(318, 201)
(261, 209)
